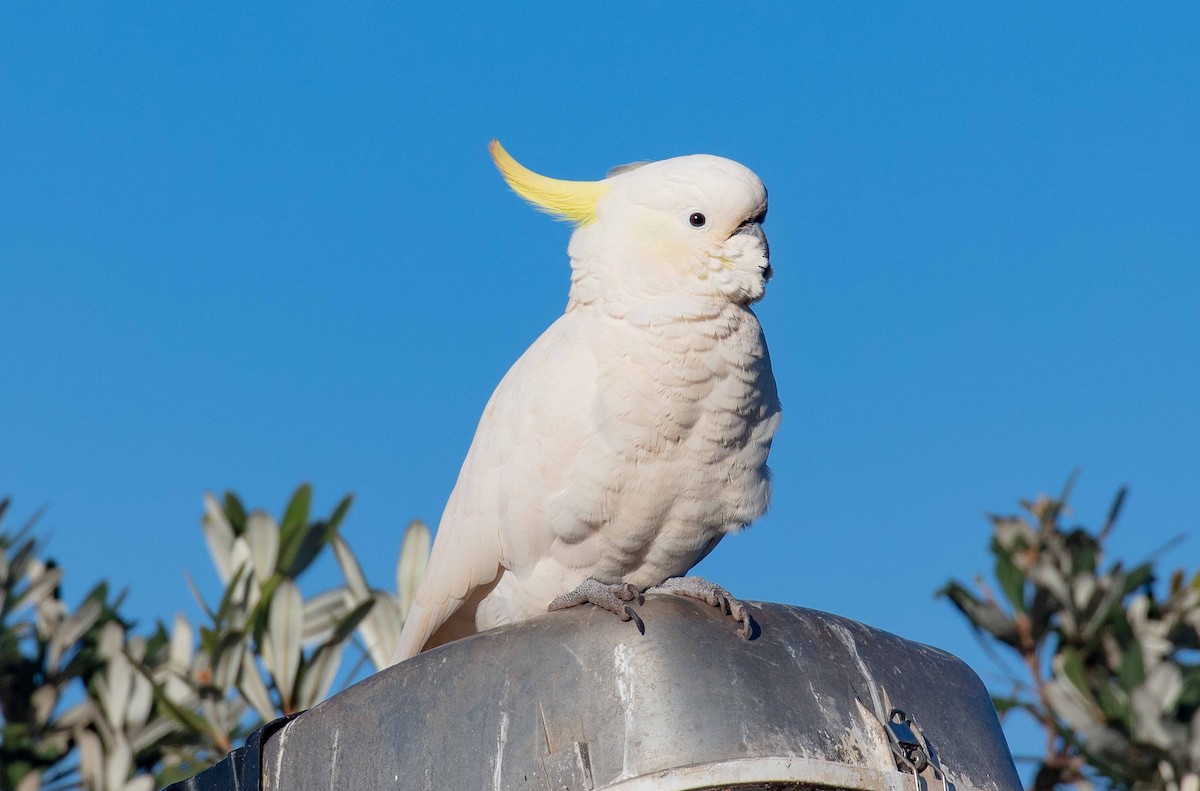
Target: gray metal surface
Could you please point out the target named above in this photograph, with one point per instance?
(578, 700)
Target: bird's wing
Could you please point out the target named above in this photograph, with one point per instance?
(531, 431)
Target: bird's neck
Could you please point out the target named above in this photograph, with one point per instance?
(623, 290)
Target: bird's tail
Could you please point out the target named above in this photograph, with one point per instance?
(418, 626)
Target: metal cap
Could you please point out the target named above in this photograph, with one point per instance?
(579, 700)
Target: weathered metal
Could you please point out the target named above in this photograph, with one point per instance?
(579, 700)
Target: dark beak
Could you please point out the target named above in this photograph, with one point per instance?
(755, 229)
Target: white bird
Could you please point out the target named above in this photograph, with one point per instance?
(633, 434)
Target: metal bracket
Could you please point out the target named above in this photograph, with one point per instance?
(568, 769)
(912, 750)
(909, 750)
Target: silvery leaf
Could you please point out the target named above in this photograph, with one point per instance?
(322, 613)
(262, 535)
(91, 757)
(252, 687)
(43, 700)
(30, 782)
(140, 701)
(350, 569)
(154, 732)
(240, 560)
(119, 760)
(118, 675)
(218, 534)
(142, 782)
(69, 632)
(285, 635)
(319, 676)
(414, 555)
(179, 658)
(380, 630)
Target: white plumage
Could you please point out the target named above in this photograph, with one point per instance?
(633, 434)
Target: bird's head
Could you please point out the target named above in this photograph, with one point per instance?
(684, 227)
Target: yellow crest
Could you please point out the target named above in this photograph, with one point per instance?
(569, 200)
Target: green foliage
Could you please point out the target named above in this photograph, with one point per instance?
(1108, 664)
(155, 708)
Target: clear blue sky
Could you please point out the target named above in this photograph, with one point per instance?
(243, 247)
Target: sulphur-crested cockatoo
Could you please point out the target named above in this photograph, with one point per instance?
(633, 434)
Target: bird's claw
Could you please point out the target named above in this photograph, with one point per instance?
(609, 597)
(625, 592)
(710, 593)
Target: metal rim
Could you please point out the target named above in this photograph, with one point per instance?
(746, 771)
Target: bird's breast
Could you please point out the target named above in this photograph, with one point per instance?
(685, 411)
(694, 388)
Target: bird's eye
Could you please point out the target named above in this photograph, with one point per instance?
(697, 220)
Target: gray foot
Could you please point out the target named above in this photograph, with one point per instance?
(609, 597)
(705, 591)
